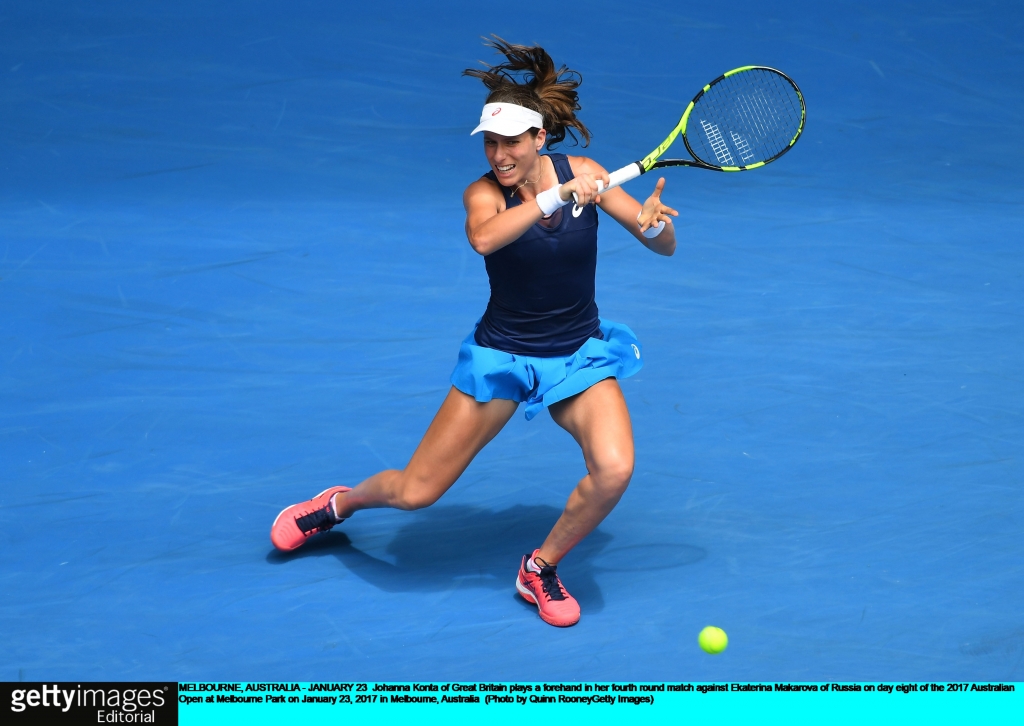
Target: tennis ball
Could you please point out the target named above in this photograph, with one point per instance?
(713, 640)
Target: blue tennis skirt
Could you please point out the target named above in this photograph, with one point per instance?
(485, 373)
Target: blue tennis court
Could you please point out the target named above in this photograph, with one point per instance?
(234, 273)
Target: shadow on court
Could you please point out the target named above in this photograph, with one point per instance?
(465, 546)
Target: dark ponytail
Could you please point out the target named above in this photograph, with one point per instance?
(549, 92)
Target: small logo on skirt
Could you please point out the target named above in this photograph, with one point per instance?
(636, 351)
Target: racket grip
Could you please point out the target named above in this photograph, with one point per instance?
(615, 179)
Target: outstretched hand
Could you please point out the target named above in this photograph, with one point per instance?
(654, 210)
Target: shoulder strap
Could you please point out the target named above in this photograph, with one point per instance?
(562, 167)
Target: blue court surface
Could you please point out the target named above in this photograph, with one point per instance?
(233, 272)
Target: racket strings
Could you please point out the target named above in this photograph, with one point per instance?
(746, 118)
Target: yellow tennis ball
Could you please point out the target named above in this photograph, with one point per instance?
(712, 640)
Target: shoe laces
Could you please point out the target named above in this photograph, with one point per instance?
(319, 520)
(550, 584)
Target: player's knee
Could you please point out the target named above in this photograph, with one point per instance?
(416, 500)
(416, 494)
(614, 473)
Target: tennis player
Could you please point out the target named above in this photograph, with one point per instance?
(540, 341)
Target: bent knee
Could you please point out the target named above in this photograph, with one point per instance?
(416, 494)
(613, 473)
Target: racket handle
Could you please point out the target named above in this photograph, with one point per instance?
(615, 179)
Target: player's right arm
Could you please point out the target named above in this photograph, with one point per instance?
(489, 224)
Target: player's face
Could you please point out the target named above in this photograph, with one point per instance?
(514, 159)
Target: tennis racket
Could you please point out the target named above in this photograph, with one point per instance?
(742, 120)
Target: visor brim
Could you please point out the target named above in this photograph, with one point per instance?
(502, 127)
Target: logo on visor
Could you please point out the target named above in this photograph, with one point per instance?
(497, 112)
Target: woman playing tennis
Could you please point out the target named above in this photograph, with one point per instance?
(540, 341)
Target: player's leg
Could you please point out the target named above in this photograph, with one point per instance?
(599, 421)
(460, 429)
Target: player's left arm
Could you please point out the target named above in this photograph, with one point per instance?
(624, 209)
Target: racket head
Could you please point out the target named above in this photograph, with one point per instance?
(743, 119)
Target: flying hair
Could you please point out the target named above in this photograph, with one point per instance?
(528, 78)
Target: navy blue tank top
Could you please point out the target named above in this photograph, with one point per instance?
(542, 285)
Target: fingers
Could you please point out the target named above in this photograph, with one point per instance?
(665, 215)
(658, 214)
(591, 182)
(593, 190)
(653, 211)
(585, 187)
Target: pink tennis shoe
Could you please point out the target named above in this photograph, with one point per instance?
(541, 586)
(297, 523)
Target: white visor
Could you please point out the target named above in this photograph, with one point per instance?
(508, 119)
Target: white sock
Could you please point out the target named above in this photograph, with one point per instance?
(334, 508)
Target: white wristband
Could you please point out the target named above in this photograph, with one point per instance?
(653, 231)
(550, 200)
